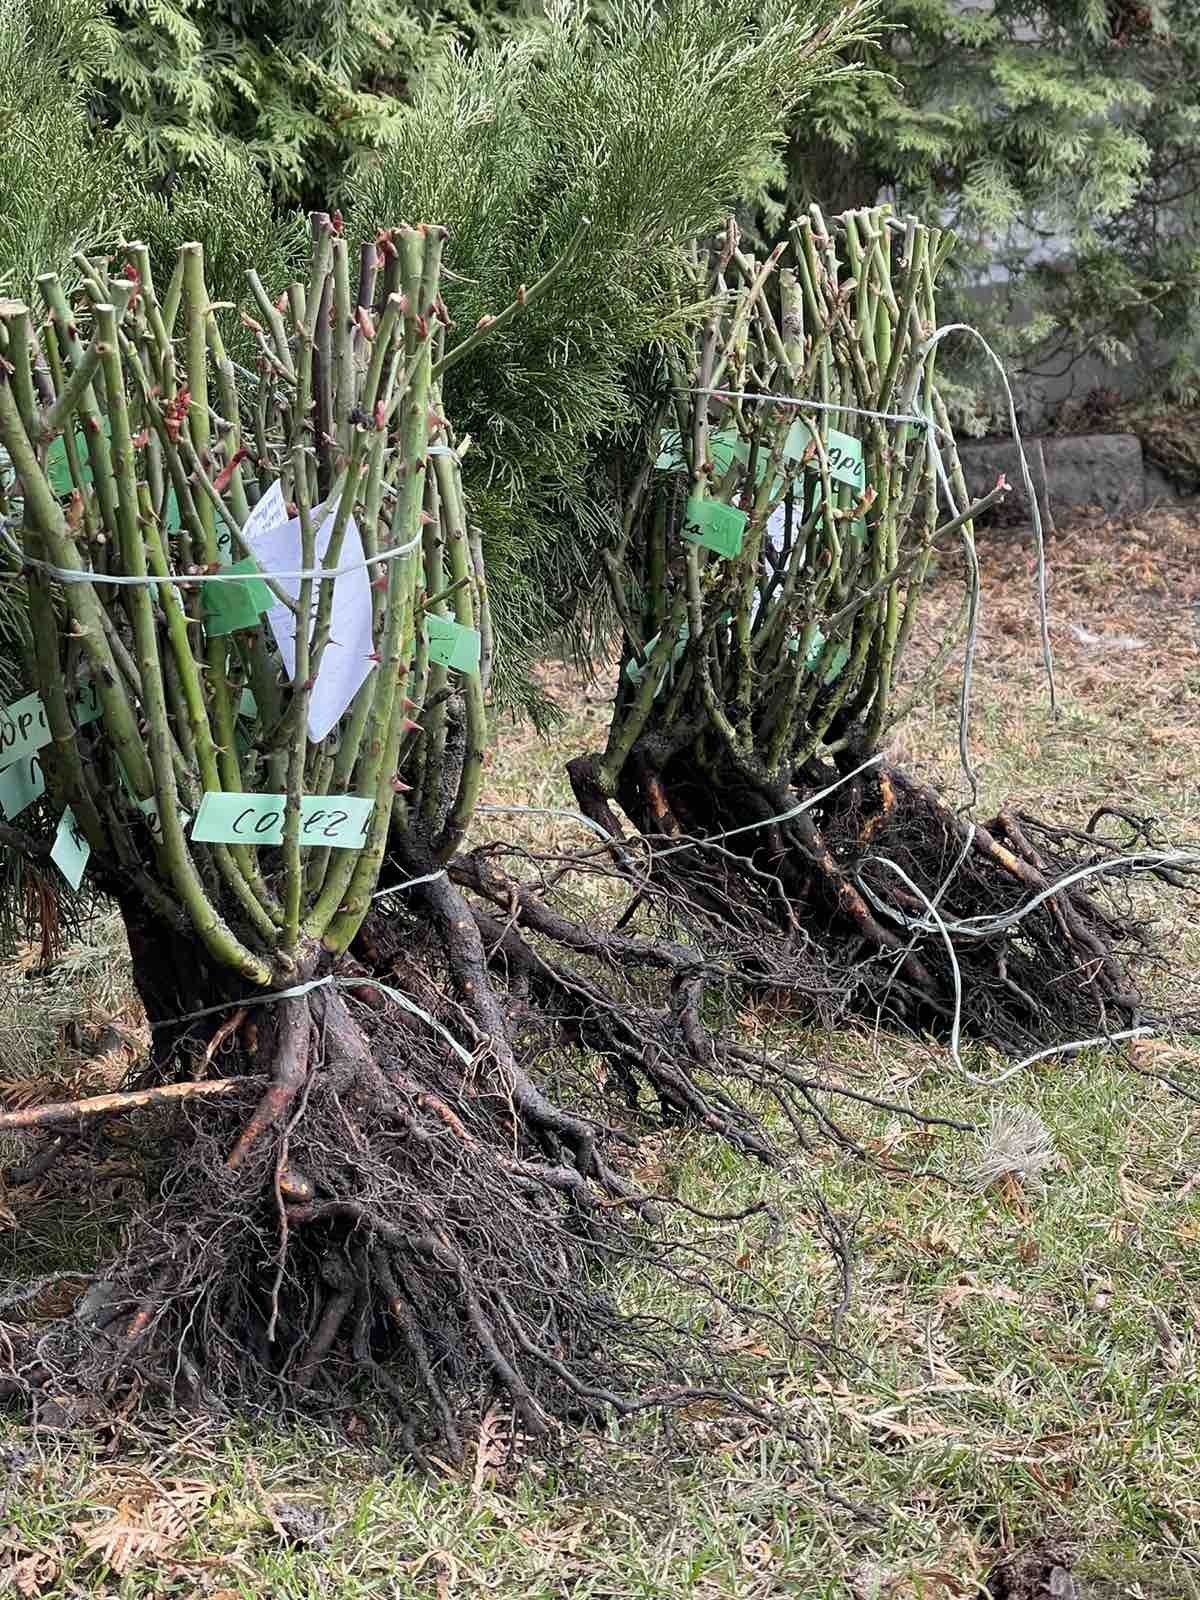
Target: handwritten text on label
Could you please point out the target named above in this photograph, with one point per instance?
(337, 821)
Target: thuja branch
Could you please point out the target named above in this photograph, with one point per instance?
(517, 306)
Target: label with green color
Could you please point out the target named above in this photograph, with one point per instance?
(845, 454)
(452, 644)
(149, 809)
(25, 730)
(837, 661)
(837, 664)
(635, 671)
(58, 472)
(71, 850)
(58, 468)
(725, 448)
(337, 821)
(844, 451)
(233, 607)
(20, 785)
(715, 525)
(670, 452)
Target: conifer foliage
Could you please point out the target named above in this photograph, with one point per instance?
(300, 89)
(1060, 141)
(57, 180)
(604, 144)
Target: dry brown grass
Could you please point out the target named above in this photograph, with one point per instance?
(1125, 630)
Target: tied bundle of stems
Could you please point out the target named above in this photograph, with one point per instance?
(811, 410)
(168, 449)
(794, 485)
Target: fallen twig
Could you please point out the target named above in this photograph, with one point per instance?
(108, 1105)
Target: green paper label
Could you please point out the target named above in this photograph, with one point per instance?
(837, 661)
(844, 451)
(670, 452)
(247, 711)
(837, 665)
(724, 448)
(453, 645)
(149, 809)
(798, 440)
(20, 785)
(337, 821)
(24, 729)
(814, 649)
(71, 850)
(635, 672)
(232, 607)
(715, 525)
(845, 458)
(58, 469)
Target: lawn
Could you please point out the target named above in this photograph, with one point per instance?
(1013, 1404)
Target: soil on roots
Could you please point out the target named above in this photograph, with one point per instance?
(899, 904)
(358, 1191)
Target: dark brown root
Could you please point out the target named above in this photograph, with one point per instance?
(566, 979)
(385, 1217)
(895, 901)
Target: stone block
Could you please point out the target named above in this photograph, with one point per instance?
(1104, 470)
(1096, 469)
(984, 460)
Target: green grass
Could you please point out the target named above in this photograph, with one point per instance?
(1018, 1362)
(1012, 1365)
